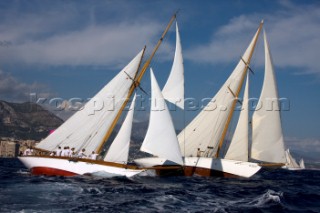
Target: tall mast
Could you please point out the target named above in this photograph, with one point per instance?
(236, 94)
(135, 83)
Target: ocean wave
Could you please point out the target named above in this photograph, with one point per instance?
(268, 198)
(270, 191)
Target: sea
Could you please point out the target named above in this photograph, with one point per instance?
(268, 191)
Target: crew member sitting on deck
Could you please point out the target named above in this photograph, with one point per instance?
(93, 156)
(28, 151)
(199, 152)
(64, 152)
(58, 152)
(82, 154)
(72, 153)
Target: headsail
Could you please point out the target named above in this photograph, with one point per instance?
(119, 149)
(161, 139)
(87, 127)
(173, 90)
(267, 138)
(206, 129)
(238, 149)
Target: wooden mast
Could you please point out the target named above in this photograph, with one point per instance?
(236, 94)
(135, 83)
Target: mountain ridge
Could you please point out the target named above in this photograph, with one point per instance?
(26, 121)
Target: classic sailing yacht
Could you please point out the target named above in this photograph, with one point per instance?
(208, 130)
(91, 127)
(201, 141)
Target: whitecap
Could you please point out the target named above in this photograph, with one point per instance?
(268, 198)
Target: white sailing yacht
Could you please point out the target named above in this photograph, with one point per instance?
(202, 139)
(204, 129)
(301, 164)
(91, 127)
(291, 163)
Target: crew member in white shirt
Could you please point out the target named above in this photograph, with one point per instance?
(93, 156)
(59, 151)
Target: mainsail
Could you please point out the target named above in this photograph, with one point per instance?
(119, 149)
(161, 139)
(267, 138)
(238, 149)
(173, 90)
(87, 127)
(206, 130)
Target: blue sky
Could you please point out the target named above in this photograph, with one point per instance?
(72, 48)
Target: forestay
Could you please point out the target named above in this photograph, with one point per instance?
(119, 149)
(161, 139)
(267, 138)
(87, 127)
(173, 90)
(205, 130)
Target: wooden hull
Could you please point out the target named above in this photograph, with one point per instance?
(271, 165)
(202, 166)
(62, 166)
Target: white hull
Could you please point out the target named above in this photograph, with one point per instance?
(154, 161)
(206, 166)
(70, 167)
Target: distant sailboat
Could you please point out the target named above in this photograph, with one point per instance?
(91, 127)
(291, 163)
(301, 164)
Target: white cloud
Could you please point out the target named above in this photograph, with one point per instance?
(293, 34)
(95, 45)
(12, 89)
(71, 35)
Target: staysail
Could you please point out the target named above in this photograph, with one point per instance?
(87, 127)
(267, 138)
(161, 139)
(173, 90)
(119, 149)
(238, 149)
(205, 130)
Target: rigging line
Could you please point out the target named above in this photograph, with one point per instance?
(138, 78)
(247, 65)
(135, 83)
